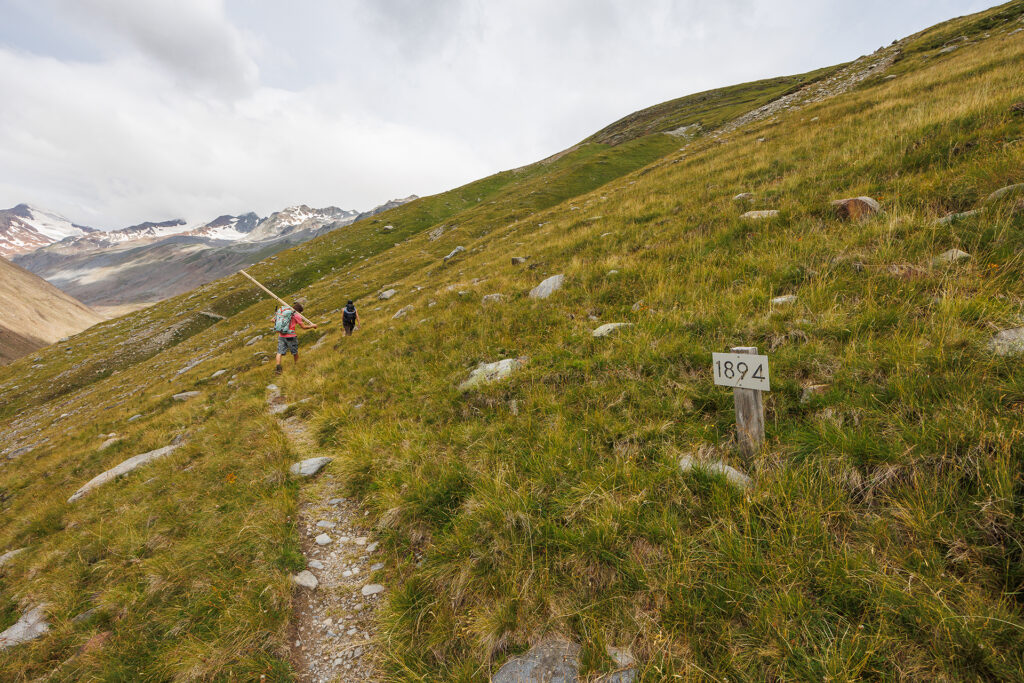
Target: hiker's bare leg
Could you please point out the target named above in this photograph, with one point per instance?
(278, 359)
(296, 357)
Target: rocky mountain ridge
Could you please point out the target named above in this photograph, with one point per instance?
(24, 228)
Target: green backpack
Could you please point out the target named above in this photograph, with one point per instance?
(283, 320)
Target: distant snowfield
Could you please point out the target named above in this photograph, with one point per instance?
(51, 225)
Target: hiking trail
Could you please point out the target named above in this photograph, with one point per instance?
(332, 635)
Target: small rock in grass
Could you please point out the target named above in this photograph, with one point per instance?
(613, 272)
(812, 391)
(743, 197)
(954, 217)
(492, 298)
(30, 626)
(306, 579)
(952, 256)
(371, 589)
(402, 312)
(387, 294)
(784, 299)
(757, 215)
(376, 566)
(125, 467)
(547, 287)
(519, 260)
(322, 539)
(855, 208)
(185, 395)
(309, 467)
(108, 443)
(732, 475)
(608, 328)
(10, 555)
(1005, 191)
(135, 417)
(486, 373)
(370, 548)
(551, 659)
(218, 374)
(1008, 342)
(255, 339)
(454, 252)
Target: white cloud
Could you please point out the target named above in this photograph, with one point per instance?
(195, 108)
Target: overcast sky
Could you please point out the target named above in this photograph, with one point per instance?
(119, 111)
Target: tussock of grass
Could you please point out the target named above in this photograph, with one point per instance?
(882, 537)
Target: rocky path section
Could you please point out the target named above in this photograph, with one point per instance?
(332, 636)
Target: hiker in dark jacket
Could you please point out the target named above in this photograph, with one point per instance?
(349, 317)
(287, 339)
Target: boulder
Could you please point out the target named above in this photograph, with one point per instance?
(855, 208)
(688, 463)
(454, 252)
(10, 555)
(951, 256)
(608, 328)
(309, 467)
(402, 312)
(485, 373)
(519, 260)
(1004, 192)
(758, 215)
(125, 467)
(306, 579)
(1008, 342)
(185, 395)
(387, 294)
(548, 287)
(31, 625)
(492, 298)
(784, 299)
(744, 197)
(552, 660)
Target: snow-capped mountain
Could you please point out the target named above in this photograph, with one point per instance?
(25, 228)
(229, 228)
(300, 218)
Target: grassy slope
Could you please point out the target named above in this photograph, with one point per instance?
(882, 538)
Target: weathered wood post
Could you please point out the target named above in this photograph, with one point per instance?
(749, 411)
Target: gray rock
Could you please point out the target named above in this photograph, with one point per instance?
(306, 579)
(254, 340)
(951, 256)
(954, 217)
(135, 417)
(371, 589)
(376, 566)
(309, 466)
(743, 197)
(125, 467)
(856, 208)
(212, 316)
(436, 233)
(552, 660)
(757, 215)
(454, 252)
(492, 298)
(10, 555)
(108, 443)
(335, 501)
(402, 312)
(688, 463)
(608, 328)
(519, 260)
(322, 539)
(370, 548)
(387, 228)
(784, 299)
(626, 663)
(485, 373)
(325, 524)
(1004, 191)
(547, 287)
(813, 390)
(387, 294)
(315, 564)
(1008, 342)
(186, 395)
(218, 374)
(30, 626)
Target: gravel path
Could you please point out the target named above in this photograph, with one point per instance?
(332, 635)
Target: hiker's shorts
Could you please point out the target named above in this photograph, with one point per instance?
(288, 345)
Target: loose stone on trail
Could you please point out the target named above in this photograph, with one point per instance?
(306, 579)
(608, 328)
(309, 467)
(322, 539)
(547, 287)
(856, 208)
(371, 589)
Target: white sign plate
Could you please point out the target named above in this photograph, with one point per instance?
(742, 370)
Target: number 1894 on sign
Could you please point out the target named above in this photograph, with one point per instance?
(742, 370)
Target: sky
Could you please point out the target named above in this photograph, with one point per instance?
(116, 112)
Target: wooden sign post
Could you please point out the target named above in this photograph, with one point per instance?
(747, 373)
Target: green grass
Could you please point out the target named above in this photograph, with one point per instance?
(881, 540)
